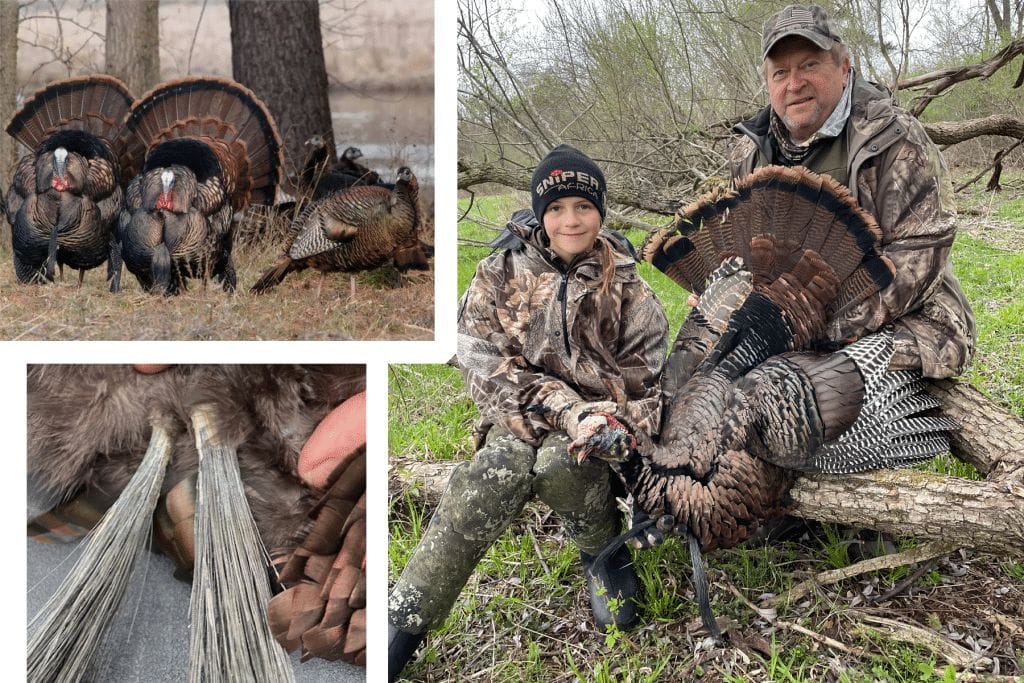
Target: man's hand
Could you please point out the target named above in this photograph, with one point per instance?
(337, 437)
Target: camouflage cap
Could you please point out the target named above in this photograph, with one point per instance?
(806, 21)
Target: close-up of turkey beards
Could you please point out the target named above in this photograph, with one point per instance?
(203, 463)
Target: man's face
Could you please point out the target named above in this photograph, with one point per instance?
(804, 85)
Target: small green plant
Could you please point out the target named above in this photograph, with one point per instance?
(1014, 569)
(837, 549)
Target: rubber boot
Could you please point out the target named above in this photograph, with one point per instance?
(401, 646)
(616, 579)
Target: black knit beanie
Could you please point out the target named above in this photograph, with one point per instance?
(566, 172)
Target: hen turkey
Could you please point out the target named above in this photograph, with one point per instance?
(355, 229)
(88, 428)
(198, 150)
(65, 198)
(751, 392)
(323, 175)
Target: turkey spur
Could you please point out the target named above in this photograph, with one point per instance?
(754, 392)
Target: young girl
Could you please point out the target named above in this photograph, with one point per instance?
(556, 331)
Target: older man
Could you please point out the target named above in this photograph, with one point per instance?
(826, 119)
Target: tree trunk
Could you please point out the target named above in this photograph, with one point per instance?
(987, 515)
(133, 43)
(277, 52)
(8, 87)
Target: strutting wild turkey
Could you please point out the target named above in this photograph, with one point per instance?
(198, 150)
(65, 198)
(748, 401)
(323, 175)
(355, 229)
(88, 427)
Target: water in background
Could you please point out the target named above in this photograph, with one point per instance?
(392, 129)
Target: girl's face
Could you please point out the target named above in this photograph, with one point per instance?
(572, 224)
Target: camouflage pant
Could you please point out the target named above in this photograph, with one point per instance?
(483, 497)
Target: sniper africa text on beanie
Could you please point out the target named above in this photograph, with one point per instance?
(566, 172)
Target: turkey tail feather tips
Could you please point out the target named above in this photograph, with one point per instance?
(221, 114)
(779, 220)
(92, 104)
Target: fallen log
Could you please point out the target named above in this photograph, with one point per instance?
(986, 514)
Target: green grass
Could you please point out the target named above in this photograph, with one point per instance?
(524, 613)
(993, 280)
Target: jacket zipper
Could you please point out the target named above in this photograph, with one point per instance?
(562, 287)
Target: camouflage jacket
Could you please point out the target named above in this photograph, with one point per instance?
(898, 175)
(535, 336)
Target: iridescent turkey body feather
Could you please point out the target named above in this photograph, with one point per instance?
(748, 400)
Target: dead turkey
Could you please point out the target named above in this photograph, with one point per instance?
(65, 197)
(98, 433)
(751, 396)
(196, 151)
(355, 229)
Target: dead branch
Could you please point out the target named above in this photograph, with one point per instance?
(657, 200)
(952, 132)
(946, 78)
(987, 515)
(873, 564)
(996, 164)
(955, 654)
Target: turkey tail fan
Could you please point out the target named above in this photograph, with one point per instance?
(230, 635)
(794, 229)
(92, 104)
(323, 609)
(223, 115)
(73, 623)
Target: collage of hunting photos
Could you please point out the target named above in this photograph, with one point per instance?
(606, 341)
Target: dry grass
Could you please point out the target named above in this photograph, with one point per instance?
(291, 311)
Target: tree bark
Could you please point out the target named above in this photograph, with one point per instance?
(133, 43)
(277, 52)
(987, 515)
(952, 132)
(8, 87)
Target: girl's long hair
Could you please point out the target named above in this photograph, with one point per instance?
(607, 255)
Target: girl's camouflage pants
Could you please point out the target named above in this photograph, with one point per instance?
(483, 497)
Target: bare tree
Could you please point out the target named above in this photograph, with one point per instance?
(651, 88)
(277, 51)
(133, 43)
(8, 85)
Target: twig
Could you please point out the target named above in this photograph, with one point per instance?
(536, 549)
(907, 582)
(957, 655)
(769, 616)
(912, 556)
(998, 157)
(824, 640)
(472, 197)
